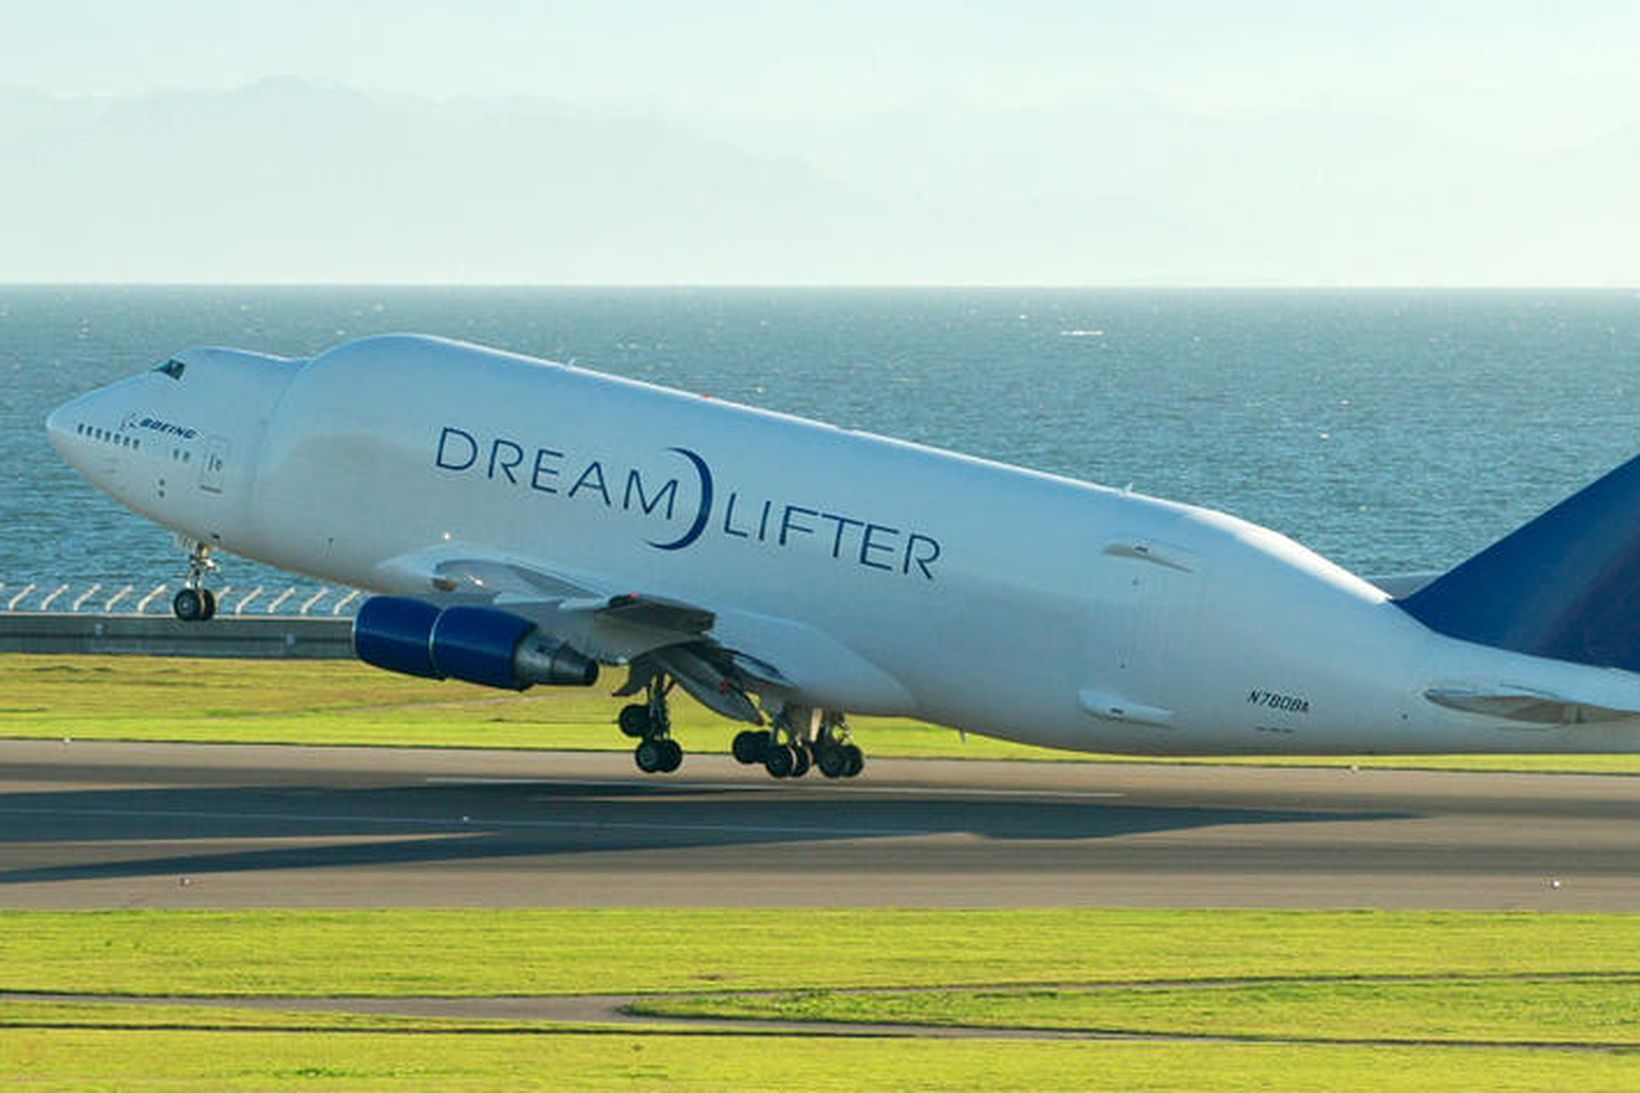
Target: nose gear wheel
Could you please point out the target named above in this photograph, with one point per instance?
(193, 601)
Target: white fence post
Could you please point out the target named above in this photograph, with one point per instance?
(292, 599)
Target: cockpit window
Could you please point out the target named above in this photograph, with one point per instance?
(172, 368)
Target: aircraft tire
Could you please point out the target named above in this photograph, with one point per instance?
(855, 759)
(779, 761)
(210, 604)
(833, 762)
(634, 720)
(672, 756)
(802, 761)
(650, 755)
(751, 746)
(189, 605)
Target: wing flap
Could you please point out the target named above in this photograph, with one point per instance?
(664, 614)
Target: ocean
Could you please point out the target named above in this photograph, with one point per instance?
(1391, 430)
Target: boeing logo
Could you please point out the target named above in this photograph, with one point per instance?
(135, 420)
(689, 501)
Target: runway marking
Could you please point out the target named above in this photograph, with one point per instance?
(466, 822)
(781, 787)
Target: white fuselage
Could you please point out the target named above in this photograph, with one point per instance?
(954, 590)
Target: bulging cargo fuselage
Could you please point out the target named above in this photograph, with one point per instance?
(866, 574)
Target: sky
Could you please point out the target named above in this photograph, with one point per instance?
(885, 120)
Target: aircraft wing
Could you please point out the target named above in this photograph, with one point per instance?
(610, 626)
(718, 659)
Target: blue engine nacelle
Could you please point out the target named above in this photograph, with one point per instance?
(477, 644)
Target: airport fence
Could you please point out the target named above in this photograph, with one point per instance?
(126, 619)
(110, 598)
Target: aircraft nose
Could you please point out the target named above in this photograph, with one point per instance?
(84, 429)
(60, 428)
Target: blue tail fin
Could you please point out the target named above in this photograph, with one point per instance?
(1567, 585)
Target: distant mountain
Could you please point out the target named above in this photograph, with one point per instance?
(283, 180)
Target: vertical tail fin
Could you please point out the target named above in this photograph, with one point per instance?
(1567, 585)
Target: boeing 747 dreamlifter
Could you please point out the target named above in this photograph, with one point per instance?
(525, 522)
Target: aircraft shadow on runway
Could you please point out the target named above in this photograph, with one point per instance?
(102, 832)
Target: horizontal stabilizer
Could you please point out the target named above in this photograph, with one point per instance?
(1533, 707)
(1567, 585)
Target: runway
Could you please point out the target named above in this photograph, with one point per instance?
(120, 825)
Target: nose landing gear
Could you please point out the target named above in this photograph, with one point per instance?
(193, 601)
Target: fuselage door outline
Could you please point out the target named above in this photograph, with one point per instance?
(213, 469)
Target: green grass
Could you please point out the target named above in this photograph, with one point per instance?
(347, 703)
(93, 1059)
(1578, 1010)
(218, 1018)
(1344, 975)
(564, 951)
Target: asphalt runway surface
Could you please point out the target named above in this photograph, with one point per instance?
(169, 825)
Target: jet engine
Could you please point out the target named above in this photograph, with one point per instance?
(477, 644)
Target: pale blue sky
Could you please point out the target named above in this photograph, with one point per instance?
(1499, 68)
(1190, 142)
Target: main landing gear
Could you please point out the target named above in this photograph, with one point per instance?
(802, 738)
(650, 723)
(193, 601)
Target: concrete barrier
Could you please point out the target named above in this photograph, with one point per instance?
(243, 636)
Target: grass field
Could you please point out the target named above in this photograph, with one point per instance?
(347, 703)
(96, 1059)
(1317, 987)
(1582, 1010)
(394, 952)
(1246, 999)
